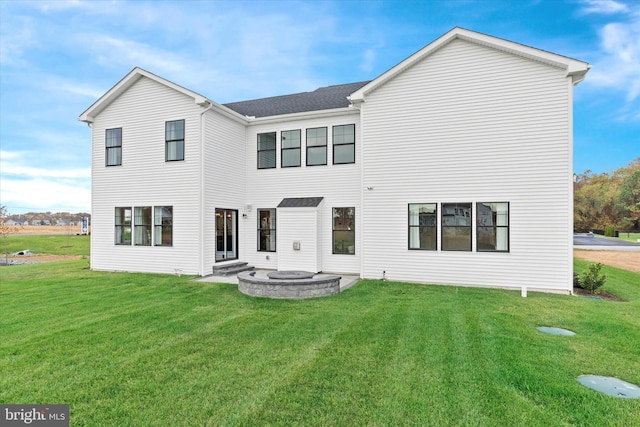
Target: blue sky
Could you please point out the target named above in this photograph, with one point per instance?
(58, 57)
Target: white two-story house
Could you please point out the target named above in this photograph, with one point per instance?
(453, 167)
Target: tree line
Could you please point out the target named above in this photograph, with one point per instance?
(607, 199)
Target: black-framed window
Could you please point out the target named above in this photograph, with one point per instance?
(174, 140)
(163, 225)
(266, 230)
(316, 146)
(492, 227)
(456, 226)
(142, 226)
(344, 144)
(113, 147)
(123, 226)
(344, 231)
(290, 146)
(267, 150)
(423, 226)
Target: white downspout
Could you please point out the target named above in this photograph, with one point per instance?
(202, 213)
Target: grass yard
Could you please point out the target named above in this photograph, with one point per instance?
(56, 244)
(629, 237)
(149, 350)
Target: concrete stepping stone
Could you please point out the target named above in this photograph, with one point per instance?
(555, 331)
(611, 386)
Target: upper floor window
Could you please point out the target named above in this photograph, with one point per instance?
(163, 225)
(267, 230)
(344, 144)
(423, 227)
(492, 227)
(290, 142)
(174, 140)
(113, 154)
(266, 150)
(316, 146)
(456, 226)
(142, 226)
(344, 232)
(123, 226)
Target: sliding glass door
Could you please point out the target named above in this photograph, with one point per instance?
(226, 234)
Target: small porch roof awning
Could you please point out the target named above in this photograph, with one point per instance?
(300, 202)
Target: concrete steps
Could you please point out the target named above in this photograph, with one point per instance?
(231, 269)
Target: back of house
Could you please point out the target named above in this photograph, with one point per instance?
(453, 167)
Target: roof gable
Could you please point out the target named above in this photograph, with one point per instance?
(574, 68)
(125, 83)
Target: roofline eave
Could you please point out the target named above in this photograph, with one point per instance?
(304, 115)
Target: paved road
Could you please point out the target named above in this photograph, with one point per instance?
(603, 242)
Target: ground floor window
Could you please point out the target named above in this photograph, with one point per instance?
(344, 232)
(456, 220)
(135, 225)
(266, 230)
(492, 227)
(423, 226)
(163, 225)
(123, 226)
(142, 226)
(456, 226)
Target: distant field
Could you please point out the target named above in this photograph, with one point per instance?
(47, 229)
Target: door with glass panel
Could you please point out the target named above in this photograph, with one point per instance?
(226, 234)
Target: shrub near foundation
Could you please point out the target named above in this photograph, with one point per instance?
(592, 279)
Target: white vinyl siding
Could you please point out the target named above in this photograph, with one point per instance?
(471, 124)
(338, 184)
(224, 163)
(146, 179)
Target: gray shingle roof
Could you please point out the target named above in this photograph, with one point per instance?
(300, 202)
(324, 98)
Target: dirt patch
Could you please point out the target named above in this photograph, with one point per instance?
(601, 294)
(627, 260)
(47, 229)
(33, 259)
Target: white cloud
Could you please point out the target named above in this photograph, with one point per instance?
(604, 6)
(617, 66)
(112, 51)
(17, 36)
(45, 195)
(28, 188)
(368, 60)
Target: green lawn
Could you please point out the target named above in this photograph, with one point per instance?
(157, 350)
(629, 237)
(57, 244)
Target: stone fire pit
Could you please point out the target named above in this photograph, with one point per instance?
(288, 284)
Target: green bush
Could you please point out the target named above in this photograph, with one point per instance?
(576, 280)
(592, 279)
(610, 231)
